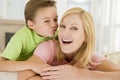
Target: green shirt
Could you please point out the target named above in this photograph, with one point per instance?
(22, 44)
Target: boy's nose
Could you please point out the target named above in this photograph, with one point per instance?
(54, 24)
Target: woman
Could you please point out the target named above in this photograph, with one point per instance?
(74, 48)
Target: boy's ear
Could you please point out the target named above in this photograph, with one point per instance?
(30, 24)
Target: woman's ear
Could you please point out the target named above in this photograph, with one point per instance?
(30, 24)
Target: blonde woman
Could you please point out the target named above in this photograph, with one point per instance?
(77, 40)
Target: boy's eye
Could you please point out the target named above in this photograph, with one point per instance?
(56, 20)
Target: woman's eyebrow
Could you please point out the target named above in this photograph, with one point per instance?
(76, 24)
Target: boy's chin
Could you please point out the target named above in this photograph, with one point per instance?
(49, 35)
(52, 35)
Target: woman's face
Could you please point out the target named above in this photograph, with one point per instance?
(71, 34)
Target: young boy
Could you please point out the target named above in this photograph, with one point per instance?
(41, 25)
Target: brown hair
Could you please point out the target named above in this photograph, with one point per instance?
(83, 55)
(33, 5)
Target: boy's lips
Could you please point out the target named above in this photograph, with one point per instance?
(54, 29)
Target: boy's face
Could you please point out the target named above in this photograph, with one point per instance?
(45, 22)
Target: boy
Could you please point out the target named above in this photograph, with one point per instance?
(41, 25)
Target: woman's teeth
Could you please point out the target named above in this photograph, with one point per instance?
(67, 41)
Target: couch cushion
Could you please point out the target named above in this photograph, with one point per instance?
(114, 57)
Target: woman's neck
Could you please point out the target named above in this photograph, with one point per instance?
(69, 57)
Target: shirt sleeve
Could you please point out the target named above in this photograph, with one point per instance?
(96, 58)
(44, 51)
(13, 49)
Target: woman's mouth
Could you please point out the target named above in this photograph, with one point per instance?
(64, 41)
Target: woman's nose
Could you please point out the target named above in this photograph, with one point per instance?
(66, 32)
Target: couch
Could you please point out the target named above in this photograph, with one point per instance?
(114, 57)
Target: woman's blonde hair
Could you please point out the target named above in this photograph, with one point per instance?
(83, 57)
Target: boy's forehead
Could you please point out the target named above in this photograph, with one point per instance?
(47, 12)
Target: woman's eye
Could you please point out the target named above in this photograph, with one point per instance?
(47, 20)
(74, 28)
(62, 26)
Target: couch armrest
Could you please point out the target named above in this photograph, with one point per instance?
(8, 76)
(114, 57)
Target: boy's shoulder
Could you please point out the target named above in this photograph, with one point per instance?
(25, 31)
(23, 34)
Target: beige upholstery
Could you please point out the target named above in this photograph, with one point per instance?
(8, 76)
(115, 57)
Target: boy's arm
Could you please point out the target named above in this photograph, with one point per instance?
(31, 67)
(36, 65)
(37, 77)
(21, 75)
(2, 59)
(30, 75)
(8, 65)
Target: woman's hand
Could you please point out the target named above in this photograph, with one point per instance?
(63, 72)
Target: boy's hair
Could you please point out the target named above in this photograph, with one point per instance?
(33, 5)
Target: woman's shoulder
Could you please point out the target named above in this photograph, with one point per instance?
(46, 51)
(47, 46)
(48, 43)
(97, 58)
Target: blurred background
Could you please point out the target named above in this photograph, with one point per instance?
(106, 14)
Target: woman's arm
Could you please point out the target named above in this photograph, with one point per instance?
(108, 66)
(67, 72)
(104, 71)
(94, 75)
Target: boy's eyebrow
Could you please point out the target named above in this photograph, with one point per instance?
(50, 17)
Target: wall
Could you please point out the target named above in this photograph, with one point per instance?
(8, 26)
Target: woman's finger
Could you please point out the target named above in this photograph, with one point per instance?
(49, 73)
(53, 68)
(53, 77)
